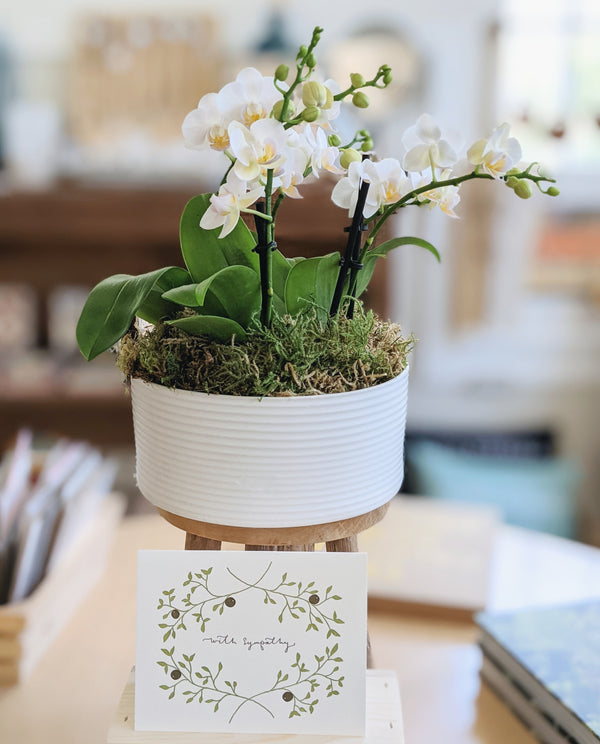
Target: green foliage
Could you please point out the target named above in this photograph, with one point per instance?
(311, 282)
(204, 252)
(364, 276)
(113, 303)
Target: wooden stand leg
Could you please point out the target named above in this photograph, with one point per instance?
(344, 545)
(195, 542)
(260, 547)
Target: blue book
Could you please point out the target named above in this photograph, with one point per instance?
(545, 664)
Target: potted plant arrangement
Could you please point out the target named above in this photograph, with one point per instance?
(263, 394)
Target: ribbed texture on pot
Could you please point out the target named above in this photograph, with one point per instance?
(275, 462)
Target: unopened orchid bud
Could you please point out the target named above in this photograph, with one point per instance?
(278, 108)
(357, 80)
(314, 94)
(349, 155)
(511, 182)
(360, 99)
(523, 189)
(329, 102)
(367, 145)
(311, 60)
(310, 113)
(387, 77)
(282, 72)
(513, 172)
(553, 191)
(302, 52)
(334, 140)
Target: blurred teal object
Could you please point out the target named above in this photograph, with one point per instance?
(535, 493)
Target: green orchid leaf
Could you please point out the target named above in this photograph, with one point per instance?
(212, 326)
(281, 269)
(204, 252)
(312, 281)
(365, 274)
(112, 305)
(155, 308)
(236, 288)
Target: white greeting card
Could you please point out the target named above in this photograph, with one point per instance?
(251, 642)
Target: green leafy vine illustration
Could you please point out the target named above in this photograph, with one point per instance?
(292, 598)
(296, 686)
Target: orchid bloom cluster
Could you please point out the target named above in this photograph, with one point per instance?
(275, 133)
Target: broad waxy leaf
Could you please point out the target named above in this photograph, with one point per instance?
(312, 281)
(204, 252)
(155, 308)
(236, 288)
(213, 326)
(112, 305)
(365, 274)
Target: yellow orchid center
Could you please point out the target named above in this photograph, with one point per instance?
(253, 112)
(391, 193)
(218, 137)
(268, 154)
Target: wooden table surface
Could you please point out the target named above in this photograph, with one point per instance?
(71, 696)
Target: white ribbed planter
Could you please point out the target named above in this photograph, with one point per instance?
(270, 462)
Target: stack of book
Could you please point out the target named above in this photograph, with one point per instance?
(545, 665)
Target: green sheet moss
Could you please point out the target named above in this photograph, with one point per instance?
(295, 356)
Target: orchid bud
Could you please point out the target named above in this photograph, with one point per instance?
(329, 102)
(349, 155)
(367, 145)
(282, 72)
(357, 80)
(360, 99)
(387, 77)
(513, 172)
(302, 52)
(334, 140)
(511, 182)
(278, 108)
(523, 189)
(314, 94)
(311, 60)
(553, 191)
(310, 113)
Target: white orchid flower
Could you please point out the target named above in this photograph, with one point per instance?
(323, 156)
(496, 155)
(291, 174)
(206, 126)
(444, 197)
(257, 148)
(225, 207)
(345, 192)
(425, 147)
(389, 182)
(250, 97)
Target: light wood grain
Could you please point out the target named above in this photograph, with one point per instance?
(383, 712)
(316, 533)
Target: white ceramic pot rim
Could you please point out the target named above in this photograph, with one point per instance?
(277, 399)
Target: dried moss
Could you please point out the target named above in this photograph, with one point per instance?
(296, 356)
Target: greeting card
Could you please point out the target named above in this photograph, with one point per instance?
(251, 642)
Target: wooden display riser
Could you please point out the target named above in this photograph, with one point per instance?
(384, 722)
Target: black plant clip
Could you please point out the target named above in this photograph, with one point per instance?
(350, 261)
